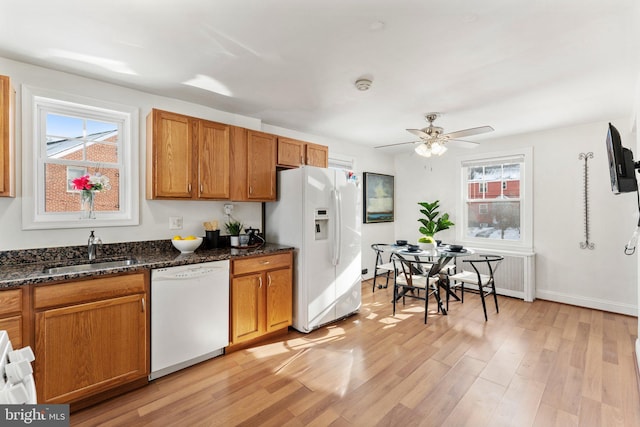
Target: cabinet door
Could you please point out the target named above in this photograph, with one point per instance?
(11, 315)
(317, 155)
(13, 326)
(88, 348)
(279, 299)
(247, 307)
(213, 160)
(172, 146)
(290, 152)
(261, 166)
(7, 97)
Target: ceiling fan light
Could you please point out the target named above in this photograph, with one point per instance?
(436, 148)
(442, 150)
(424, 150)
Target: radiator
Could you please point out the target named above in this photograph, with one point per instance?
(515, 276)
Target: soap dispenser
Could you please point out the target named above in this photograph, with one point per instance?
(92, 245)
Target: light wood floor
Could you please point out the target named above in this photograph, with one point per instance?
(533, 364)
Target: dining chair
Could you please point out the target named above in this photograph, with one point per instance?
(413, 276)
(481, 277)
(386, 267)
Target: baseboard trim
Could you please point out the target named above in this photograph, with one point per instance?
(598, 304)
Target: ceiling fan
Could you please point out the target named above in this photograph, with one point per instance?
(433, 141)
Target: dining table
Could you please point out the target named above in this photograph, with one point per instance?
(441, 256)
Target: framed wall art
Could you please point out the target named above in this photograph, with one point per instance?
(378, 199)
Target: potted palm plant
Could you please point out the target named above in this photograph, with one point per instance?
(234, 228)
(433, 223)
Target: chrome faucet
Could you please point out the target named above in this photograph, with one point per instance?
(92, 246)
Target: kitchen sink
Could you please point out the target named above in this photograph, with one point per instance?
(78, 268)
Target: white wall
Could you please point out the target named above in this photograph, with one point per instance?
(154, 214)
(602, 278)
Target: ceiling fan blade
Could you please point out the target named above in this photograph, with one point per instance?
(468, 132)
(459, 143)
(394, 145)
(418, 133)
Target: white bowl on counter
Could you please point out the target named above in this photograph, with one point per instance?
(187, 246)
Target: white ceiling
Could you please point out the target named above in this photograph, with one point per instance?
(518, 65)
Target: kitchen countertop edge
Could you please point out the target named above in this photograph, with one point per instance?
(33, 273)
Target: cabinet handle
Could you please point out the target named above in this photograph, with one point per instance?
(143, 307)
(268, 280)
(201, 188)
(189, 188)
(250, 189)
(265, 262)
(260, 280)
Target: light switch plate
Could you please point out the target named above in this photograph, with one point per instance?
(175, 223)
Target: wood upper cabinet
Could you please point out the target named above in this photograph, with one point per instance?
(91, 336)
(261, 296)
(214, 151)
(291, 152)
(294, 153)
(7, 161)
(169, 155)
(187, 158)
(317, 155)
(253, 159)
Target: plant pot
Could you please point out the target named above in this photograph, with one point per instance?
(427, 246)
(235, 240)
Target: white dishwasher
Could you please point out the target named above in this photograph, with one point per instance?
(189, 315)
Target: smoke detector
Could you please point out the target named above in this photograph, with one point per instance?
(363, 84)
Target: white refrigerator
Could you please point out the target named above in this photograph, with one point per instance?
(319, 212)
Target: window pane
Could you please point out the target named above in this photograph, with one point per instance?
(64, 127)
(496, 220)
(94, 128)
(475, 174)
(102, 153)
(61, 197)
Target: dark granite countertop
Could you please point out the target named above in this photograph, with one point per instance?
(24, 267)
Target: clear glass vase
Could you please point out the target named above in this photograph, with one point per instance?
(86, 204)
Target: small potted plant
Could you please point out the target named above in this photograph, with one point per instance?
(234, 228)
(433, 223)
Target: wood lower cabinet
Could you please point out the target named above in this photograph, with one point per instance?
(7, 160)
(11, 302)
(261, 296)
(294, 153)
(90, 337)
(187, 158)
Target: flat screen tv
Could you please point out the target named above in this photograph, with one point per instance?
(621, 165)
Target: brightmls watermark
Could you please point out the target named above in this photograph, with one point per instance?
(34, 415)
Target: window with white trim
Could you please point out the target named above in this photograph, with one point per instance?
(496, 203)
(75, 137)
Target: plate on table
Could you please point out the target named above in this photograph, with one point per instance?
(456, 250)
(410, 252)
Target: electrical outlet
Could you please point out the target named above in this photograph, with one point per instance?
(365, 270)
(228, 209)
(175, 223)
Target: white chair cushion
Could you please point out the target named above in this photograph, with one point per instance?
(470, 277)
(388, 266)
(418, 280)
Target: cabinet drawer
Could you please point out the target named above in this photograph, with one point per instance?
(88, 290)
(10, 301)
(270, 262)
(13, 326)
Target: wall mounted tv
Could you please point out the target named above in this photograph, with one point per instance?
(622, 168)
